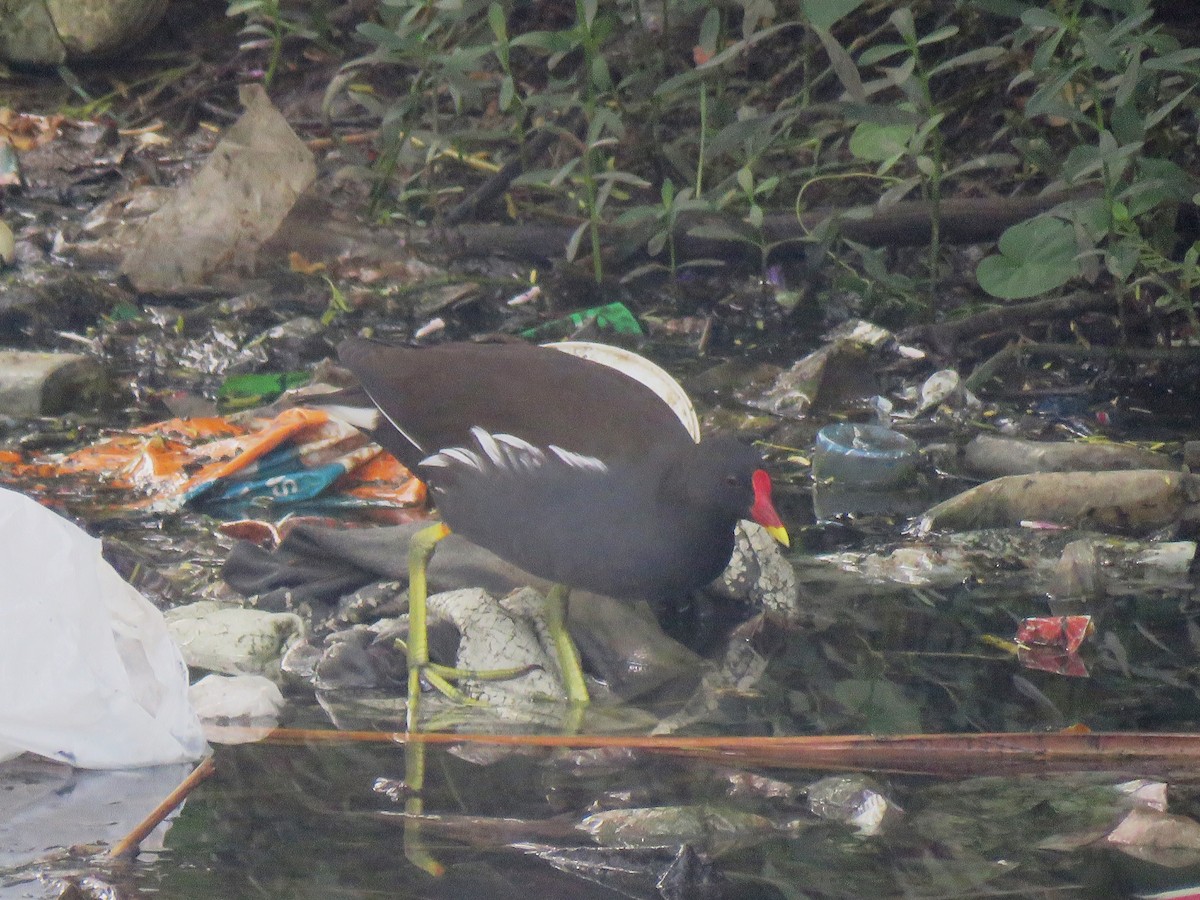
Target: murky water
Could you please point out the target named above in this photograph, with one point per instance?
(307, 820)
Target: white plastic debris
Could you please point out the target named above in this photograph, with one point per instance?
(90, 675)
(240, 697)
(233, 640)
(853, 800)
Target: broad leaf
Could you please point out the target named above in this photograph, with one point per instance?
(1035, 257)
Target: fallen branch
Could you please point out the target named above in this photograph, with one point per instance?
(935, 754)
(946, 335)
(129, 844)
(498, 183)
(966, 220)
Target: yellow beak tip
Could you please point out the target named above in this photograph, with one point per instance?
(779, 533)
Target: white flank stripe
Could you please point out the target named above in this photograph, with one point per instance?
(464, 456)
(578, 460)
(360, 417)
(488, 445)
(508, 453)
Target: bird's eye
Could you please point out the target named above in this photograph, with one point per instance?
(731, 480)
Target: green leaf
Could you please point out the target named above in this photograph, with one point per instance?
(877, 143)
(745, 180)
(904, 114)
(636, 215)
(942, 34)
(1098, 51)
(573, 244)
(902, 21)
(729, 53)
(1179, 61)
(498, 22)
(1036, 17)
(1127, 124)
(710, 31)
(1159, 181)
(843, 66)
(618, 177)
(766, 186)
(717, 231)
(382, 37)
(825, 13)
(1043, 56)
(970, 58)
(239, 7)
(1035, 257)
(880, 52)
(1049, 99)
(1122, 258)
(901, 74)
(600, 75)
(125, 311)
(1085, 160)
(1167, 108)
(507, 93)
(1094, 215)
(546, 41)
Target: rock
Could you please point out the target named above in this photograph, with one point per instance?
(51, 32)
(47, 384)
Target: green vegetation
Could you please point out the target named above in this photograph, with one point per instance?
(703, 118)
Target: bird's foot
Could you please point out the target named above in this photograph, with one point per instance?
(441, 677)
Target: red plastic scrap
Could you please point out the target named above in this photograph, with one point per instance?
(1052, 660)
(1062, 632)
(1051, 644)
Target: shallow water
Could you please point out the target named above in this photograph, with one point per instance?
(307, 820)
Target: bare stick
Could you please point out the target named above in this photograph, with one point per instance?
(129, 844)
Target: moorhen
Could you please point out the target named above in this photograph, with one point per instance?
(565, 467)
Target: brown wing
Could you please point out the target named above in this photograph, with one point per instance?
(434, 395)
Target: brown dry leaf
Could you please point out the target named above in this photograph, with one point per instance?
(297, 262)
(25, 131)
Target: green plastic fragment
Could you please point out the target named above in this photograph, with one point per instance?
(242, 391)
(124, 311)
(614, 317)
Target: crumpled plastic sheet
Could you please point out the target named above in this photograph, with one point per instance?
(298, 460)
(91, 677)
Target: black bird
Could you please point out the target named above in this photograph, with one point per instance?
(567, 468)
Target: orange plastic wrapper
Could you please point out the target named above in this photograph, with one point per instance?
(299, 459)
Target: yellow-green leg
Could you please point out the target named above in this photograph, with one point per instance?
(420, 549)
(564, 647)
(414, 807)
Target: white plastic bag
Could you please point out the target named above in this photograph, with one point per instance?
(88, 673)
